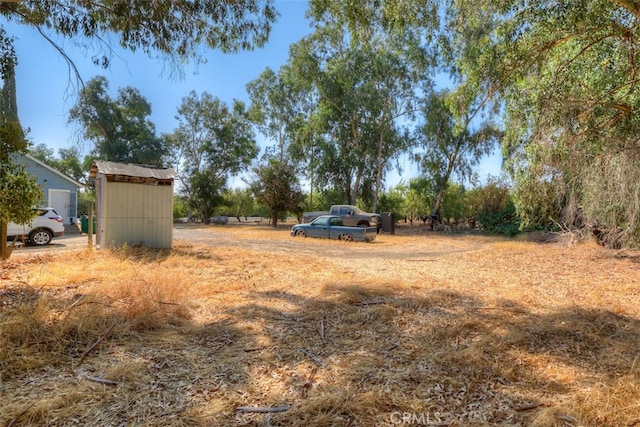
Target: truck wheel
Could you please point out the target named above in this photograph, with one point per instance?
(300, 233)
(346, 237)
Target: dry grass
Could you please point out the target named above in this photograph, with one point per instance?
(415, 329)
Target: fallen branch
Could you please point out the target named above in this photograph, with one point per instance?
(263, 409)
(321, 329)
(100, 380)
(95, 344)
(528, 407)
(249, 350)
(312, 357)
(76, 302)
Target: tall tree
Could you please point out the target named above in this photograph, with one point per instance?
(19, 190)
(284, 107)
(119, 128)
(363, 91)
(211, 143)
(450, 145)
(566, 73)
(272, 108)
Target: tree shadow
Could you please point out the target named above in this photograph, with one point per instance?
(354, 355)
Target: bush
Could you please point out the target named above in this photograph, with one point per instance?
(504, 221)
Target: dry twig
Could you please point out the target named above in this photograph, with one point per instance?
(17, 417)
(263, 409)
(100, 380)
(95, 344)
(312, 357)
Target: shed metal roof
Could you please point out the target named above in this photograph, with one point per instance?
(125, 169)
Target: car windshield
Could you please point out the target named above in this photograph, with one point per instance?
(322, 220)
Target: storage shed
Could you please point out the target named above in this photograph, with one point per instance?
(134, 204)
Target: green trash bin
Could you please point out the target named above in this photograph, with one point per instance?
(84, 225)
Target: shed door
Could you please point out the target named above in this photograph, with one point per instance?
(60, 201)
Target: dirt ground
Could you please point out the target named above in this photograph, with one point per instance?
(244, 325)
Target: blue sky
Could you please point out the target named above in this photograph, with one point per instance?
(46, 93)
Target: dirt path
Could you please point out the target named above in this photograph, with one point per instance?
(408, 244)
(414, 247)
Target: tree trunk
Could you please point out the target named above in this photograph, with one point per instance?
(445, 179)
(6, 249)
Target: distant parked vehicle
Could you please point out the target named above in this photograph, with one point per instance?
(46, 225)
(351, 216)
(331, 227)
(220, 219)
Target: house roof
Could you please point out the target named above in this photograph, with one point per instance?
(130, 170)
(57, 172)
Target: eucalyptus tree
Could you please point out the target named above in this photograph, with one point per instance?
(272, 108)
(566, 73)
(363, 89)
(119, 128)
(19, 190)
(211, 143)
(450, 145)
(175, 30)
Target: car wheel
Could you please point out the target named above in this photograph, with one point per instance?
(346, 237)
(40, 237)
(300, 233)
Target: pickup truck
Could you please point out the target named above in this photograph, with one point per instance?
(351, 216)
(331, 227)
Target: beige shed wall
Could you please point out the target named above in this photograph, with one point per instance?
(137, 214)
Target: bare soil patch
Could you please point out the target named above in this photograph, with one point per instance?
(245, 325)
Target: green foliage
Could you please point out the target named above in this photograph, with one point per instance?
(276, 187)
(68, 161)
(329, 196)
(85, 198)
(362, 92)
(393, 200)
(119, 128)
(206, 189)
(239, 202)
(211, 143)
(19, 190)
(175, 29)
(454, 206)
(180, 207)
(504, 221)
(449, 145)
(566, 73)
(273, 108)
(492, 208)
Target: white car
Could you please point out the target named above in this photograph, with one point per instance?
(46, 225)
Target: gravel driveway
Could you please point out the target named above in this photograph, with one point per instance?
(413, 248)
